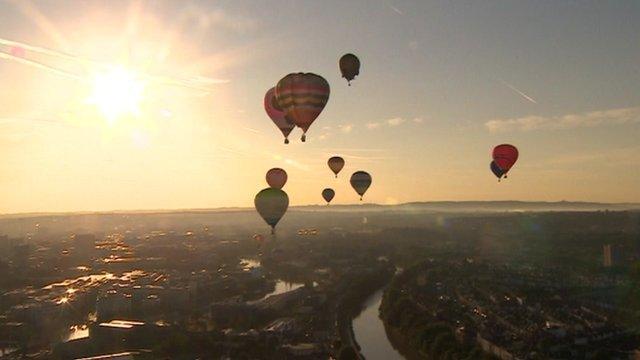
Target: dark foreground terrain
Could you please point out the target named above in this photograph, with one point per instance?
(460, 283)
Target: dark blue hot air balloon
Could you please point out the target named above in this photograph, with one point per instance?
(496, 170)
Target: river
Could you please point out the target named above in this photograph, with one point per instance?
(281, 286)
(370, 333)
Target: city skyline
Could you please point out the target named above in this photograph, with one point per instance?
(441, 84)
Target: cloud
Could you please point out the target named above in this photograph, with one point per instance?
(346, 128)
(602, 159)
(413, 45)
(395, 121)
(291, 162)
(569, 121)
(208, 19)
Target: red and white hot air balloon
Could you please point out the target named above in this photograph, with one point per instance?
(277, 115)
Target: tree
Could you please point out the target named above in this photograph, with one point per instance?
(348, 353)
(441, 344)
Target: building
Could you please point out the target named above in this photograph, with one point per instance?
(613, 255)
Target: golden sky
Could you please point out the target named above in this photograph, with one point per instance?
(158, 104)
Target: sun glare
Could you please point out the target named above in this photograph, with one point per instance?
(117, 92)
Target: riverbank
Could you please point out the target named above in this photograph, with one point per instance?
(401, 344)
(355, 292)
(370, 332)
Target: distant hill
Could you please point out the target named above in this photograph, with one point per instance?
(487, 206)
(428, 206)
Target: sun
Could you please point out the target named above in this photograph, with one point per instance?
(117, 92)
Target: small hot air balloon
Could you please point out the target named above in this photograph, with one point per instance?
(302, 96)
(17, 51)
(277, 115)
(505, 156)
(328, 195)
(360, 181)
(258, 238)
(276, 178)
(495, 169)
(336, 163)
(349, 67)
(271, 204)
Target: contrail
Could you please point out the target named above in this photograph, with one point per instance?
(195, 83)
(529, 98)
(39, 66)
(395, 9)
(46, 51)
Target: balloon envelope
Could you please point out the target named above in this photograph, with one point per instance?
(336, 163)
(17, 51)
(277, 115)
(495, 169)
(259, 238)
(328, 194)
(349, 67)
(505, 155)
(276, 178)
(271, 204)
(302, 96)
(360, 181)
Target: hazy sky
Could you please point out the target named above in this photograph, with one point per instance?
(441, 83)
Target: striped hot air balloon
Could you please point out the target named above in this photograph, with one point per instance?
(302, 96)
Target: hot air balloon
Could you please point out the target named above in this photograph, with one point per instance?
(505, 156)
(271, 204)
(360, 181)
(302, 96)
(277, 115)
(17, 51)
(328, 195)
(336, 163)
(495, 169)
(258, 238)
(276, 178)
(349, 67)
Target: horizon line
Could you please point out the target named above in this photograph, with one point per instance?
(326, 206)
